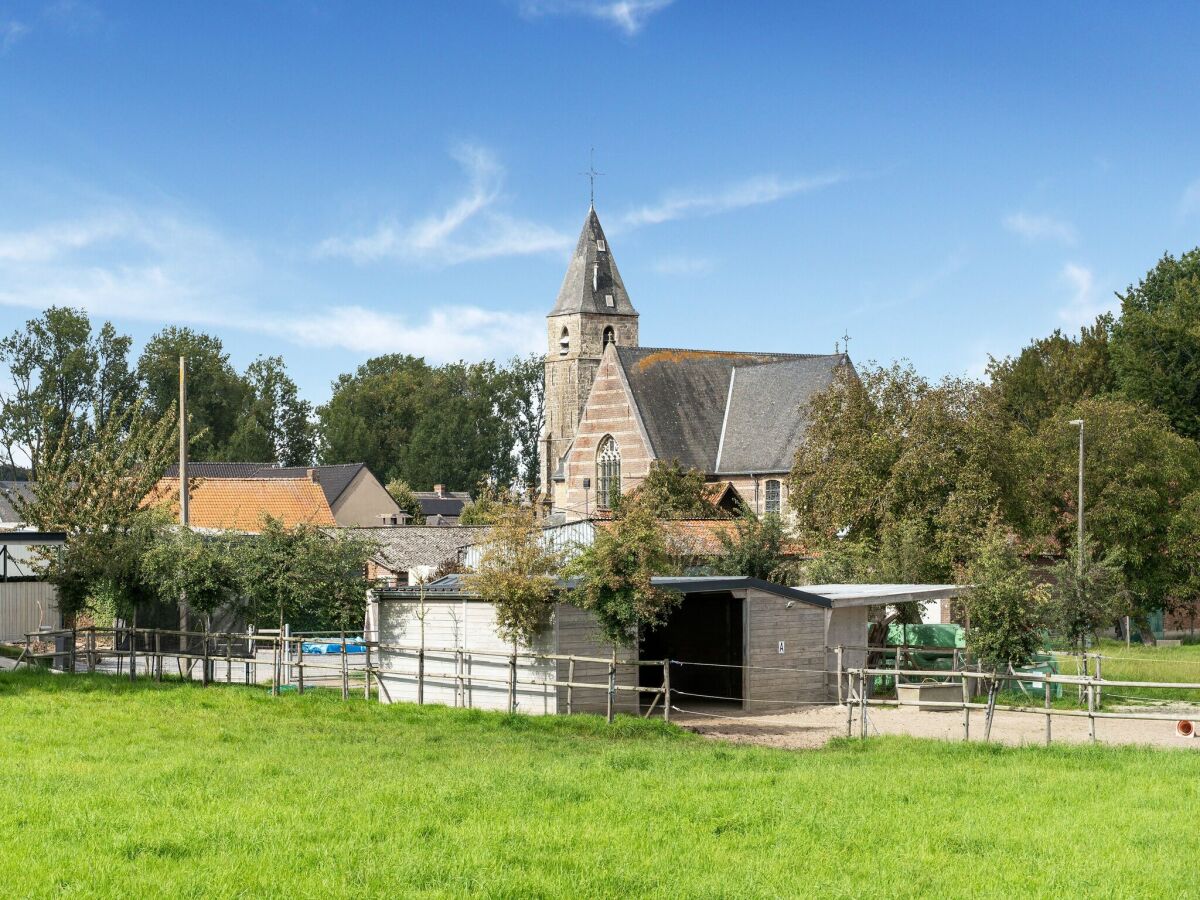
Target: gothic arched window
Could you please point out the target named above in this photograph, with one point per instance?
(564, 343)
(773, 496)
(610, 336)
(608, 472)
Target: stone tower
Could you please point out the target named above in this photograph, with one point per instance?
(592, 310)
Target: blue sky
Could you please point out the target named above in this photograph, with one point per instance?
(332, 181)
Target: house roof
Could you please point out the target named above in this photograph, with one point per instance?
(240, 504)
(450, 503)
(688, 399)
(333, 479)
(453, 586)
(702, 537)
(592, 277)
(404, 547)
(8, 490)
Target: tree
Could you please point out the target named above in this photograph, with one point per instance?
(1054, 372)
(216, 393)
(488, 506)
(1004, 605)
(275, 424)
(754, 548)
(524, 407)
(1137, 472)
(1082, 600)
(1156, 341)
(518, 573)
(406, 500)
(201, 567)
(1184, 551)
(673, 492)
(304, 576)
(52, 366)
(615, 575)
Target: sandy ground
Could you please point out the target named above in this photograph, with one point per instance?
(814, 726)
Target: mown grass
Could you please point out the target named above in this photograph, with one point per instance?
(1142, 663)
(119, 790)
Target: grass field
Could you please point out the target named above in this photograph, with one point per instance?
(120, 790)
(1141, 663)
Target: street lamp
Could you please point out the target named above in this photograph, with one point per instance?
(1079, 561)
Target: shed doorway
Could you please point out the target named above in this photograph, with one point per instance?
(704, 640)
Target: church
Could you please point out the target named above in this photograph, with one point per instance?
(613, 406)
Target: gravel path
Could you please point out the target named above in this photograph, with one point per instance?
(812, 727)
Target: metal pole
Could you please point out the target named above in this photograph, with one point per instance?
(839, 674)
(183, 445)
(1049, 718)
(1079, 561)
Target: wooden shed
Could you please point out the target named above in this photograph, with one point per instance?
(735, 641)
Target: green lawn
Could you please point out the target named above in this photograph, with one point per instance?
(175, 790)
(1141, 663)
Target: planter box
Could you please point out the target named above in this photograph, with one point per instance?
(935, 691)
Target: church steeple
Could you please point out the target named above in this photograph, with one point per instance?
(593, 283)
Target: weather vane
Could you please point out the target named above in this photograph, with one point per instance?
(591, 173)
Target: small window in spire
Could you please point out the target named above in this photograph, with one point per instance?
(596, 277)
(564, 343)
(600, 246)
(608, 301)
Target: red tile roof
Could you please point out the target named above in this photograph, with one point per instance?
(241, 503)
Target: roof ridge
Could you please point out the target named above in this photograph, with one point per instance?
(621, 349)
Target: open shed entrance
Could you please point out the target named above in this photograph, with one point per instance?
(704, 635)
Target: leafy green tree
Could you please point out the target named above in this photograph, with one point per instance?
(301, 575)
(52, 365)
(1054, 372)
(615, 574)
(200, 567)
(518, 573)
(1005, 606)
(406, 500)
(1085, 599)
(216, 393)
(275, 424)
(1156, 341)
(754, 548)
(489, 505)
(523, 406)
(1184, 551)
(673, 492)
(1137, 471)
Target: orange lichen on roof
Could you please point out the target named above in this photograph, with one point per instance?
(677, 356)
(240, 504)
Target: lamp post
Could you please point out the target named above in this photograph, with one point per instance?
(1079, 560)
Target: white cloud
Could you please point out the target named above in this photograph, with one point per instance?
(469, 229)
(11, 31)
(1041, 228)
(751, 192)
(683, 265)
(443, 335)
(630, 16)
(1084, 303)
(1189, 203)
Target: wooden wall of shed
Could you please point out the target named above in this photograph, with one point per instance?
(773, 680)
(577, 634)
(845, 626)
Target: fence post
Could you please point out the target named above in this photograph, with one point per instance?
(612, 686)
(839, 674)
(28, 650)
(158, 655)
(71, 655)
(1091, 691)
(849, 705)
(512, 682)
(1099, 678)
(570, 682)
(1049, 718)
(345, 670)
(862, 703)
(460, 690)
(133, 654)
(91, 653)
(667, 690)
(228, 658)
(966, 694)
(300, 669)
(367, 675)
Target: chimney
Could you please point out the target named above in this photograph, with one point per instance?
(440, 490)
(312, 474)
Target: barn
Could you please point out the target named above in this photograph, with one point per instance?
(733, 642)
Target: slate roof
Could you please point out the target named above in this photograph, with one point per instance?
(682, 397)
(9, 489)
(449, 504)
(591, 276)
(333, 479)
(239, 504)
(407, 546)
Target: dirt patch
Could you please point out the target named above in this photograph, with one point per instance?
(813, 727)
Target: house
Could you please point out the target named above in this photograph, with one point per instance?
(353, 494)
(613, 406)
(737, 641)
(440, 506)
(410, 554)
(240, 504)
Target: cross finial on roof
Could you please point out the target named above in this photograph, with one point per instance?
(591, 173)
(846, 339)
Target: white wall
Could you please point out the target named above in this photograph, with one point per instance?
(25, 605)
(483, 666)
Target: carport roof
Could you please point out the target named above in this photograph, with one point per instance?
(453, 586)
(883, 594)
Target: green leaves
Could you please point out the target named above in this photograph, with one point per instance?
(1005, 607)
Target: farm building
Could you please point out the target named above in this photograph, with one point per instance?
(733, 640)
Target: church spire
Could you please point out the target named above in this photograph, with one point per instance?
(592, 283)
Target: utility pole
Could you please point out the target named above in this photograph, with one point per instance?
(183, 442)
(1079, 561)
